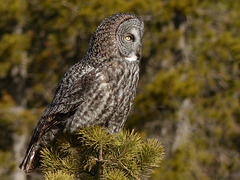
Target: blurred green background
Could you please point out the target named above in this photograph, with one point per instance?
(189, 89)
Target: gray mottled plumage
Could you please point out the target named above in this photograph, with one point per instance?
(98, 90)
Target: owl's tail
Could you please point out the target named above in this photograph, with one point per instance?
(31, 160)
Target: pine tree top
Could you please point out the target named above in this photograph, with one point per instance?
(95, 154)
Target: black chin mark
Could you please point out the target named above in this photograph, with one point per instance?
(138, 56)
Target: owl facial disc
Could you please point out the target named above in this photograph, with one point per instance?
(129, 39)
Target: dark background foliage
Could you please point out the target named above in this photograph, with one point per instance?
(188, 94)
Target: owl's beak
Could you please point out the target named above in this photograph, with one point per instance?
(138, 50)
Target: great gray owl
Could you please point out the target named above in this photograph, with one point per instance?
(98, 90)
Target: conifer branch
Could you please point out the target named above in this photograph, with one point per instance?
(99, 164)
(95, 154)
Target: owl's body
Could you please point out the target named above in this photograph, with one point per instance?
(98, 90)
(109, 98)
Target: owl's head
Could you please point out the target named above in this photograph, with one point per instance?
(120, 36)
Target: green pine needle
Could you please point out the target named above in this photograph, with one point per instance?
(58, 175)
(115, 174)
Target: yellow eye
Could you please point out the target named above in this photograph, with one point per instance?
(129, 37)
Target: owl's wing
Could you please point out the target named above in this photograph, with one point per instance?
(69, 94)
(71, 90)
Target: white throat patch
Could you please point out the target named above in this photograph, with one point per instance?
(132, 57)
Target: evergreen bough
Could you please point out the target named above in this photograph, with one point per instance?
(95, 154)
